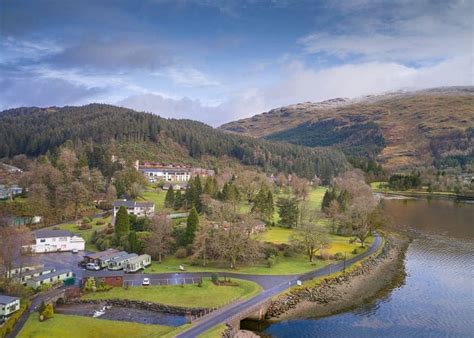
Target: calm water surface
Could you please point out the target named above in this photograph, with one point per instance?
(435, 299)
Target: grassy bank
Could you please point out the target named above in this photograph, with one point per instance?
(208, 295)
(61, 326)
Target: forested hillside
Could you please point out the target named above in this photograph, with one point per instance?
(399, 130)
(35, 131)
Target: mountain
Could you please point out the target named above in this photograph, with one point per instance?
(35, 131)
(401, 130)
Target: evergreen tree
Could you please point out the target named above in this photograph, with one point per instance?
(210, 186)
(270, 207)
(192, 224)
(178, 200)
(122, 224)
(263, 204)
(288, 211)
(133, 243)
(169, 198)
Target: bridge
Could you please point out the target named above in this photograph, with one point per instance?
(257, 306)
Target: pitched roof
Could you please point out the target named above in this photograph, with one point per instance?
(53, 233)
(7, 299)
(103, 254)
(133, 204)
(51, 274)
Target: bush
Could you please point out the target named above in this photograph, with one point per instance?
(48, 312)
(355, 251)
(86, 219)
(289, 252)
(270, 250)
(215, 278)
(181, 253)
(271, 261)
(101, 222)
(85, 226)
(339, 256)
(324, 255)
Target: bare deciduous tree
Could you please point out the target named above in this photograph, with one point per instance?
(161, 240)
(308, 238)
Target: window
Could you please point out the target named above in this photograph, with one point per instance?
(42, 240)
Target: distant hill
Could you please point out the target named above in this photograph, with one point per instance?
(401, 130)
(35, 131)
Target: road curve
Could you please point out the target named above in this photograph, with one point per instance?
(224, 314)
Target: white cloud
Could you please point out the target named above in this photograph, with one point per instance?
(191, 77)
(403, 31)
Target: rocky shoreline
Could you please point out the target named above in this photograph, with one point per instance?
(346, 290)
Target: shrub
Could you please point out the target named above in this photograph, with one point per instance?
(85, 226)
(48, 312)
(289, 252)
(339, 256)
(86, 219)
(181, 253)
(200, 283)
(355, 251)
(271, 261)
(269, 250)
(324, 255)
(101, 222)
(215, 278)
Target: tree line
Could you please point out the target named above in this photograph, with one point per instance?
(37, 131)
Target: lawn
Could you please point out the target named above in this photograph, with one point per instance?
(208, 295)
(157, 196)
(61, 326)
(214, 332)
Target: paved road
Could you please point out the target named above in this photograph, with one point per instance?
(223, 315)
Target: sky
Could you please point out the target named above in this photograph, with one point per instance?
(218, 61)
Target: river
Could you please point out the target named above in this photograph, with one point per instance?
(435, 298)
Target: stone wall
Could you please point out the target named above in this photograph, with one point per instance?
(178, 310)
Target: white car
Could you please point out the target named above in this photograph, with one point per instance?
(75, 251)
(146, 281)
(92, 266)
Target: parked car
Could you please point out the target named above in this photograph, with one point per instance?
(92, 266)
(75, 251)
(146, 281)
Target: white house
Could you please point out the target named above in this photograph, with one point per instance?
(56, 240)
(49, 278)
(166, 174)
(139, 209)
(8, 305)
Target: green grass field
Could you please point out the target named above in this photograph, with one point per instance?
(157, 196)
(68, 326)
(209, 295)
(214, 332)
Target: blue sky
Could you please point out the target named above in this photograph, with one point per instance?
(218, 61)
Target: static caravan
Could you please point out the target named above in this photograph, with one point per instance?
(137, 263)
(102, 259)
(25, 276)
(119, 263)
(8, 305)
(50, 278)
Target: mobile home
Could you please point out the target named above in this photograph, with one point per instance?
(120, 262)
(50, 278)
(8, 305)
(102, 259)
(137, 263)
